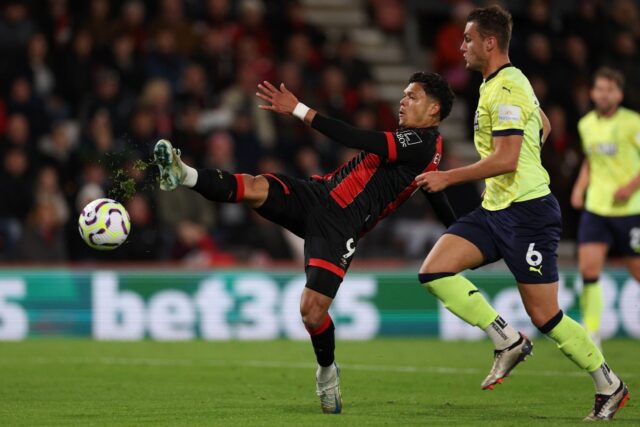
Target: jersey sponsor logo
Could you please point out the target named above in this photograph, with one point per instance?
(476, 123)
(408, 137)
(509, 113)
(604, 148)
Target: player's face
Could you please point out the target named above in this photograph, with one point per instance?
(606, 95)
(416, 108)
(473, 48)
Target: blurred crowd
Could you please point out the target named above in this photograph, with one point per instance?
(88, 87)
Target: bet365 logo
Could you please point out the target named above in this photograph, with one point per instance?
(534, 259)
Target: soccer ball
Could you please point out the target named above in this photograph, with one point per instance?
(104, 224)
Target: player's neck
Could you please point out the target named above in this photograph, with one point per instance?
(494, 64)
(608, 113)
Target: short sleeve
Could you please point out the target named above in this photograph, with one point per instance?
(407, 146)
(636, 132)
(510, 110)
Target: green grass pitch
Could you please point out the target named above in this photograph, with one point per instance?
(385, 382)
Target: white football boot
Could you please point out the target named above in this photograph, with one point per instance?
(329, 393)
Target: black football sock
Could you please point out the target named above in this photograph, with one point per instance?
(219, 185)
(324, 342)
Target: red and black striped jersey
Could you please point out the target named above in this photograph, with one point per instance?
(381, 177)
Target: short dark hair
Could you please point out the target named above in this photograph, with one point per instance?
(610, 74)
(436, 86)
(493, 21)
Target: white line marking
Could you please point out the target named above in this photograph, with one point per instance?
(445, 370)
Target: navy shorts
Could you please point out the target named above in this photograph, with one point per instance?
(620, 233)
(526, 235)
(305, 208)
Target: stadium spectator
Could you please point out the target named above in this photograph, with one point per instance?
(38, 64)
(194, 247)
(24, 101)
(126, 61)
(164, 61)
(173, 24)
(561, 158)
(448, 39)
(389, 15)
(144, 242)
(132, 24)
(42, 239)
(75, 70)
(47, 190)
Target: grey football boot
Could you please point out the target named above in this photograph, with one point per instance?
(505, 360)
(606, 406)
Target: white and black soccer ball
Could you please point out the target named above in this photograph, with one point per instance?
(104, 224)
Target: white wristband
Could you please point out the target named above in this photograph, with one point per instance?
(301, 111)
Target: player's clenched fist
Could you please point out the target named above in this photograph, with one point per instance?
(433, 181)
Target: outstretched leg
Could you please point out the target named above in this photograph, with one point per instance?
(214, 184)
(438, 274)
(541, 303)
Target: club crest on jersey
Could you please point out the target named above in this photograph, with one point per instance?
(408, 137)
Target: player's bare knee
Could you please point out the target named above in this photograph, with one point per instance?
(312, 318)
(312, 312)
(588, 270)
(540, 315)
(433, 266)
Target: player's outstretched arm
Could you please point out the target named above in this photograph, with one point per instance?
(284, 102)
(504, 159)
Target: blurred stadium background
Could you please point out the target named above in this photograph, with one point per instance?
(87, 88)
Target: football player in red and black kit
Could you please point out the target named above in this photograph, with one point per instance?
(332, 212)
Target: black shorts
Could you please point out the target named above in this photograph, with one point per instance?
(305, 208)
(620, 233)
(526, 235)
